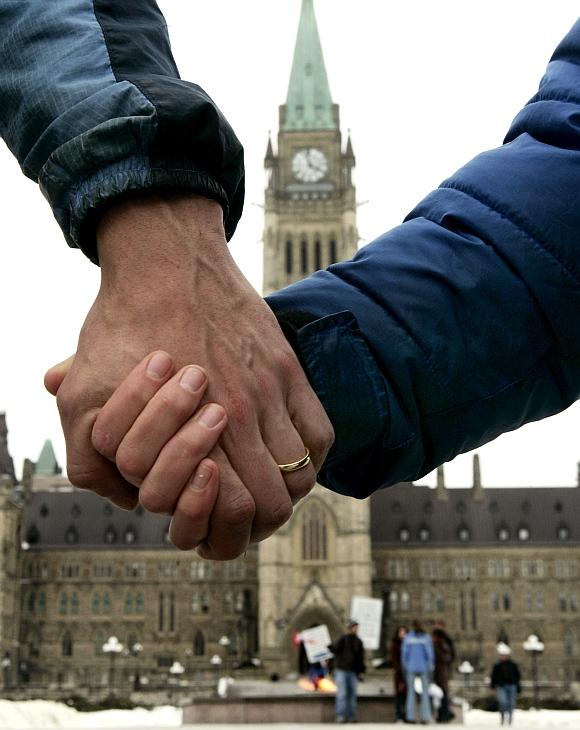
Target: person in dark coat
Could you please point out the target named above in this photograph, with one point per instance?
(400, 686)
(443, 664)
(505, 679)
(349, 664)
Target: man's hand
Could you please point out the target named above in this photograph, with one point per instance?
(169, 283)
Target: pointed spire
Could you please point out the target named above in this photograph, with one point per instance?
(309, 101)
(349, 154)
(47, 465)
(270, 148)
(478, 493)
(6, 463)
(441, 488)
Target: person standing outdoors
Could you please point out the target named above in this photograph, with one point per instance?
(505, 679)
(443, 663)
(349, 664)
(399, 684)
(418, 660)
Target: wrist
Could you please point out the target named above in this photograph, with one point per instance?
(151, 237)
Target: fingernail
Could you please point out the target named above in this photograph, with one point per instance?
(200, 479)
(192, 379)
(159, 365)
(211, 415)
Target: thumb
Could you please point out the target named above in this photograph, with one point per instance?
(53, 378)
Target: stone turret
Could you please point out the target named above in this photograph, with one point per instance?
(6, 464)
(478, 493)
(442, 494)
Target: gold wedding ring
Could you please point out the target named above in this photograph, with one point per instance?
(296, 465)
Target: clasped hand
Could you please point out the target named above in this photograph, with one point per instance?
(184, 394)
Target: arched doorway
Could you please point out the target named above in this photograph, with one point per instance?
(306, 619)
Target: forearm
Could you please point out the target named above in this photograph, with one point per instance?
(462, 323)
(92, 106)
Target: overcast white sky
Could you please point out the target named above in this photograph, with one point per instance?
(424, 86)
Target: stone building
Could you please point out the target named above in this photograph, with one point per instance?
(495, 563)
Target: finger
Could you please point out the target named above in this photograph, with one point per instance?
(161, 419)
(310, 420)
(190, 523)
(179, 458)
(230, 524)
(53, 378)
(86, 469)
(287, 446)
(257, 470)
(128, 401)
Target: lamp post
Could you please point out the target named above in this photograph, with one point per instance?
(6, 663)
(534, 647)
(112, 647)
(216, 662)
(136, 650)
(176, 670)
(466, 670)
(225, 644)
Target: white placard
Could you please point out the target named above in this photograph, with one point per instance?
(369, 613)
(316, 641)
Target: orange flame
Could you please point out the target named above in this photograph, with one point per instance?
(325, 684)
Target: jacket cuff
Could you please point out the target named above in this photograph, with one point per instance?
(76, 206)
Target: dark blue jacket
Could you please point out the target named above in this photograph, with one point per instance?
(460, 324)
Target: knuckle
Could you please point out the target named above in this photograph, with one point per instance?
(240, 513)
(102, 440)
(154, 501)
(279, 516)
(239, 408)
(287, 362)
(130, 464)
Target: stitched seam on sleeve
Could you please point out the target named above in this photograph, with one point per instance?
(523, 225)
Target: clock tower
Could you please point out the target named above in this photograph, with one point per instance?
(310, 211)
(311, 568)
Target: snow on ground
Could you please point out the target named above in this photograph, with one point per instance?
(42, 714)
(540, 719)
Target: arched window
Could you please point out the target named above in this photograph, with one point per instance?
(439, 603)
(332, 255)
(405, 601)
(228, 601)
(394, 601)
(240, 602)
(63, 603)
(199, 644)
(507, 602)
(139, 604)
(71, 536)
(428, 602)
(96, 603)
(570, 643)
(494, 601)
(130, 535)
(317, 255)
(128, 603)
(67, 644)
(31, 601)
(195, 602)
(303, 256)
(205, 602)
(74, 603)
(106, 603)
(314, 533)
(110, 535)
(289, 257)
(42, 602)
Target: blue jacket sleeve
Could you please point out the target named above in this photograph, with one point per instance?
(92, 105)
(464, 322)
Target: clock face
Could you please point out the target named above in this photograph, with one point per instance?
(309, 165)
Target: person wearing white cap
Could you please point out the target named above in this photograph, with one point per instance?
(505, 679)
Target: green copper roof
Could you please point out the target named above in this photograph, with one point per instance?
(309, 102)
(47, 464)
